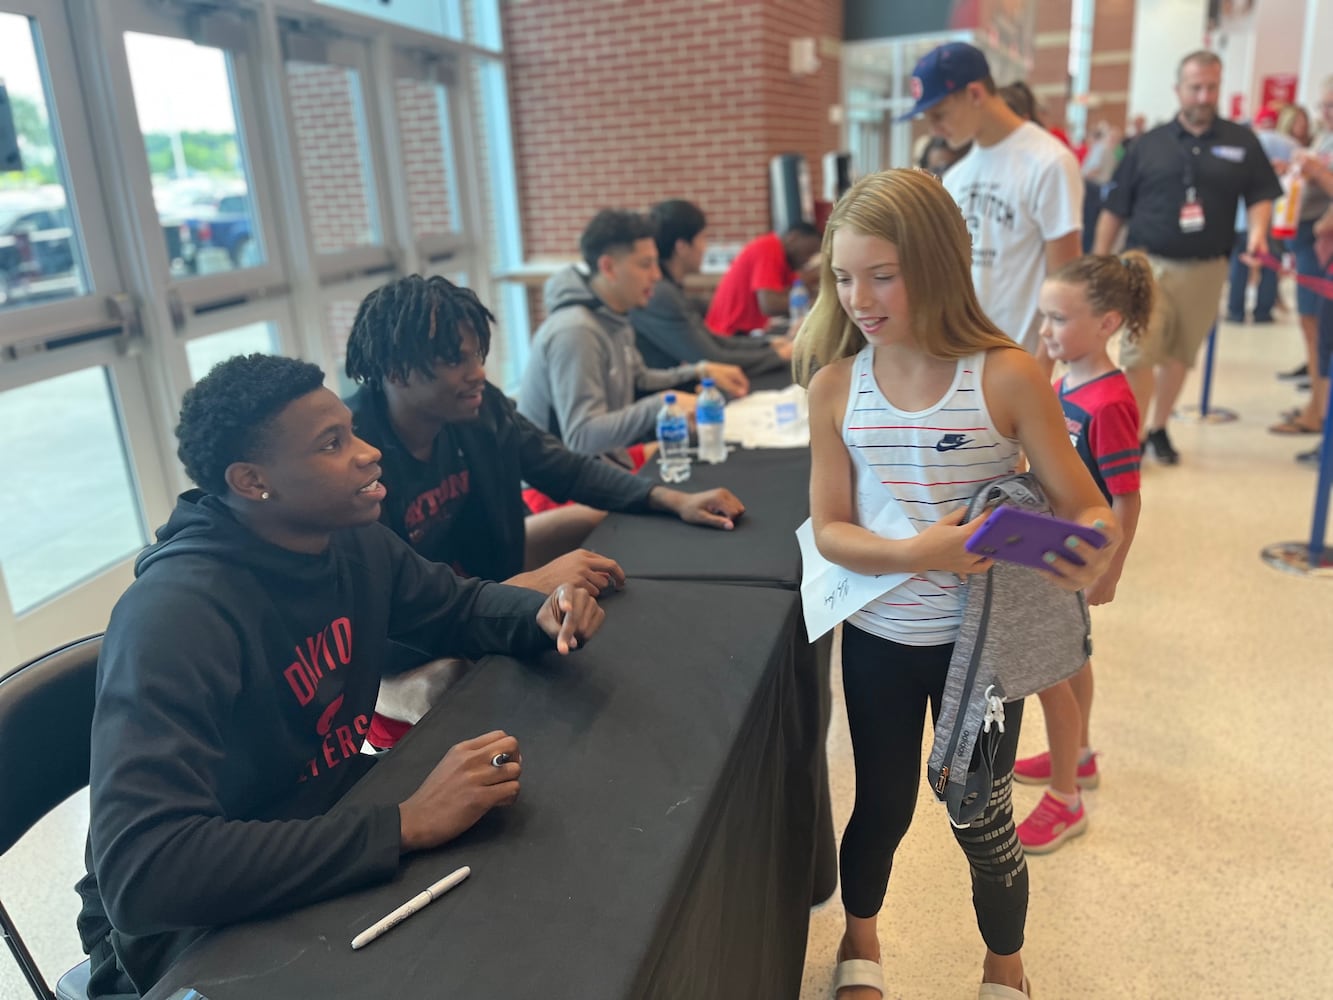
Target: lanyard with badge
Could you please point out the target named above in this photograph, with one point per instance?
(1191, 213)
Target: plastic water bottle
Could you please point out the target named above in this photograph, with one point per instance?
(798, 302)
(673, 439)
(708, 417)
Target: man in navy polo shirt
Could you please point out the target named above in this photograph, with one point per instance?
(1177, 188)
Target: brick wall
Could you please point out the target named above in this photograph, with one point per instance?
(626, 102)
(1050, 70)
(324, 121)
(1112, 38)
(420, 120)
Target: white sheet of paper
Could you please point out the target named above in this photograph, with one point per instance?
(774, 418)
(831, 593)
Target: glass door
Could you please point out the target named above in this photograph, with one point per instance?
(75, 395)
(187, 92)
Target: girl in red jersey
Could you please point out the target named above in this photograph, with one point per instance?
(916, 401)
(1084, 304)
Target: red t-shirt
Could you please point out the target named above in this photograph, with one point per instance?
(1103, 422)
(761, 266)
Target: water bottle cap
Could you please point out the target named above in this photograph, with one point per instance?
(669, 398)
(708, 383)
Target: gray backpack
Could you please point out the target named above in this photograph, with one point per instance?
(1020, 634)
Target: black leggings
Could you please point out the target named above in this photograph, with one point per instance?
(886, 686)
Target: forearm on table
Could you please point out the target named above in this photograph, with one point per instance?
(665, 500)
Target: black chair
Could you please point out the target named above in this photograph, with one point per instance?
(46, 717)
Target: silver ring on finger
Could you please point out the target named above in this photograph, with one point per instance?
(501, 759)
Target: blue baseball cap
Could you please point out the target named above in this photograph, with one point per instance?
(944, 71)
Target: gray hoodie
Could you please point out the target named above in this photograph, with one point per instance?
(585, 373)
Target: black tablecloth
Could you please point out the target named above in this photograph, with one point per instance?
(779, 379)
(661, 846)
(762, 551)
(773, 484)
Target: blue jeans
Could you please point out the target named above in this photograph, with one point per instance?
(1240, 277)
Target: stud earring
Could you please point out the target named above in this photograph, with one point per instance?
(264, 495)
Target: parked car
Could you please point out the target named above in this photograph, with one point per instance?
(37, 255)
(227, 227)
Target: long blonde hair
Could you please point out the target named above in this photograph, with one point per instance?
(911, 210)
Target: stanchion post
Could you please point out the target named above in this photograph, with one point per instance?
(1207, 413)
(1206, 392)
(1319, 528)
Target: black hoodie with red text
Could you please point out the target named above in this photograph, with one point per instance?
(234, 690)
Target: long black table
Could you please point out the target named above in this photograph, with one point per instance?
(661, 846)
(774, 485)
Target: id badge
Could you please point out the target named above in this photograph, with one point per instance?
(1191, 216)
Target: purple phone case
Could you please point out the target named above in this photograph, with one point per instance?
(1020, 536)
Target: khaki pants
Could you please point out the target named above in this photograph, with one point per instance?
(1184, 310)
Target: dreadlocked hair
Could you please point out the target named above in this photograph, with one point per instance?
(408, 324)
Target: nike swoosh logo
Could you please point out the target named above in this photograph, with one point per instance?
(326, 719)
(952, 442)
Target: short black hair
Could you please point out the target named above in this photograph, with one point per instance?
(676, 219)
(802, 229)
(226, 417)
(613, 229)
(409, 323)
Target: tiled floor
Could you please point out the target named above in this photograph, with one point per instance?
(1206, 871)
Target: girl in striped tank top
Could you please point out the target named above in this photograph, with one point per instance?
(917, 400)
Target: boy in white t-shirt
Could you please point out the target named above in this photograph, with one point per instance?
(1019, 188)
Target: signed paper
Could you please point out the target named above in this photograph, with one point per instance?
(829, 592)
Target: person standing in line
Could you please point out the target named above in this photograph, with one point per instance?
(1294, 121)
(1317, 166)
(900, 360)
(1279, 149)
(1316, 219)
(1177, 189)
(1019, 188)
(1084, 305)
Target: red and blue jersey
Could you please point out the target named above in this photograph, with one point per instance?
(1103, 422)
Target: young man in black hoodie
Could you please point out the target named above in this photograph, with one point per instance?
(239, 672)
(456, 451)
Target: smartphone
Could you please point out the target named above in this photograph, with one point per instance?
(1020, 536)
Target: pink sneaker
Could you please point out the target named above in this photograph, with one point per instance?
(1050, 825)
(1037, 771)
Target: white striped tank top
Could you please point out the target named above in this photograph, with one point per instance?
(931, 461)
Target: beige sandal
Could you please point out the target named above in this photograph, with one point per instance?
(858, 972)
(994, 991)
